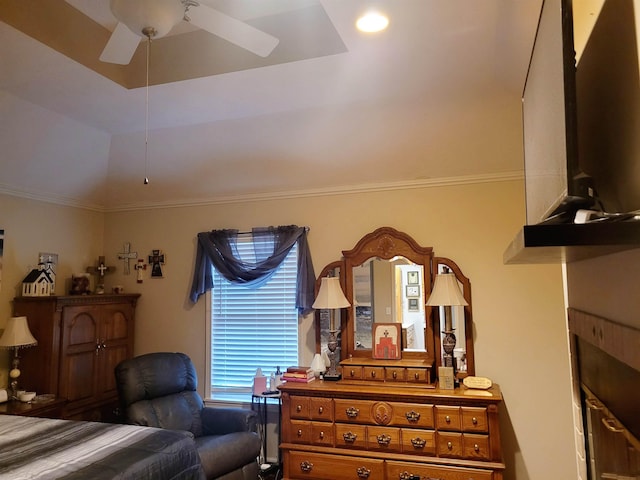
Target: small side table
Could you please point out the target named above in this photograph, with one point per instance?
(48, 408)
(259, 404)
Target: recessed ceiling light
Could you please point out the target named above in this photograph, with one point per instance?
(372, 22)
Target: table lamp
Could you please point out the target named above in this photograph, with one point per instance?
(446, 293)
(16, 335)
(330, 296)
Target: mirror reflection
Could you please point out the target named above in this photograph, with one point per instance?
(389, 291)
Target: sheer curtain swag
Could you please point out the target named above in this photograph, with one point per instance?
(218, 248)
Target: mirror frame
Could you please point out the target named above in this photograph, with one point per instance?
(386, 243)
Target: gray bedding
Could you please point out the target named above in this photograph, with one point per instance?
(38, 448)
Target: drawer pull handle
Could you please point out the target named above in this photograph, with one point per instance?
(476, 448)
(610, 425)
(412, 416)
(298, 408)
(447, 419)
(299, 433)
(474, 420)
(352, 373)
(383, 439)
(306, 466)
(352, 412)
(373, 374)
(320, 410)
(416, 376)
(418, 442)
(409, 476)
(450, 445)
(349, 437)
(394, 374)
(321, 435)
(593, 404)
(363, 472)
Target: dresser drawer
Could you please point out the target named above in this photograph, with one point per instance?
(448, 418)
(351, 436)
(395, 374)
(413, 415)
(476, 447)
(375, 374)
(321, 409)
(404, 471)
(418, 442)
(450, 444)
(299, 407)
(322, 434)
(352, 372)
(386, 439)
(474, 419)
(418, 375)
(352, 411)
(317, 466)
(300, 432)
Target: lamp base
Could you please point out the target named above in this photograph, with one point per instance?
(332, 377)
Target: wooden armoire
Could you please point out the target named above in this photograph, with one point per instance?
(81, 338)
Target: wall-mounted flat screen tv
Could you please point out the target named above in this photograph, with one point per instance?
(582, 122)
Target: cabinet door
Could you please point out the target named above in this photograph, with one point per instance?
(115, 344)
(79, 354)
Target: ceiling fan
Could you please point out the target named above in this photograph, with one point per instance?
(138, 19)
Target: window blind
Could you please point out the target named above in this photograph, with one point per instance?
(252, 328)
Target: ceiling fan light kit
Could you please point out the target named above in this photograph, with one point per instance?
(138, 15)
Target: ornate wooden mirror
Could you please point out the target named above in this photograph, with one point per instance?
(387, 277)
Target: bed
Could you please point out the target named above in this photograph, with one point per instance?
(41, 448)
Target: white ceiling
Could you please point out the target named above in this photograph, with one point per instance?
(429, 98)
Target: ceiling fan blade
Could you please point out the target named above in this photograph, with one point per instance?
(233, 30)
(121, 46)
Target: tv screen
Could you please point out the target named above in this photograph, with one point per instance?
(581, 123)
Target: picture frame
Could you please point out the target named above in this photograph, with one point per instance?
(387, 341)
(413, 305)
(413, 277)
(413, 291)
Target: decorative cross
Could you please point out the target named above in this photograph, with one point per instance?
(101, 269)
(140, 266)
(156, 260)
(127, 255)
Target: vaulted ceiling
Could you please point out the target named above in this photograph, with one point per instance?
(428, 99)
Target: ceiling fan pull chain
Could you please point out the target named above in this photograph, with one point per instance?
(146, 119)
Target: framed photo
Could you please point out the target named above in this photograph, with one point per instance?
(387, 338)
(413, 290)
(413, 277)
(413, 305)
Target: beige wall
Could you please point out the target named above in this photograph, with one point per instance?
(519, 321)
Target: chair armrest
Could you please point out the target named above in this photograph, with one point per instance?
(223, 420)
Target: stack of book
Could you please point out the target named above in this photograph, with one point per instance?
(298, 374)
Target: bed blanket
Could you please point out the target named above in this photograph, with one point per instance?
(39, 448)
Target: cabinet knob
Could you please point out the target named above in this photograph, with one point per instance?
(321, 435)
(394, 374)
(447, 419)
(306, 466)
(363, 472)
(373, 374)
(298, 408)
(320, 409)
(476, 448)
(450, 445)
(352, 373)
(416, 376)
(474, 420)
(299, 433)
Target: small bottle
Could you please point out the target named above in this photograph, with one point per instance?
(272, 382)
(278, 377)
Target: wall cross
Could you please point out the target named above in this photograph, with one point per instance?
(127, 255)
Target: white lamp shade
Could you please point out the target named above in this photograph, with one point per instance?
(17, 334)
(162, 15)
(330, 294)
(446, 291)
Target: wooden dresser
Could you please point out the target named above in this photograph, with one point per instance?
(81, 338)
(345, 430)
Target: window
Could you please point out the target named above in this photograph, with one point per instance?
(252, 328)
